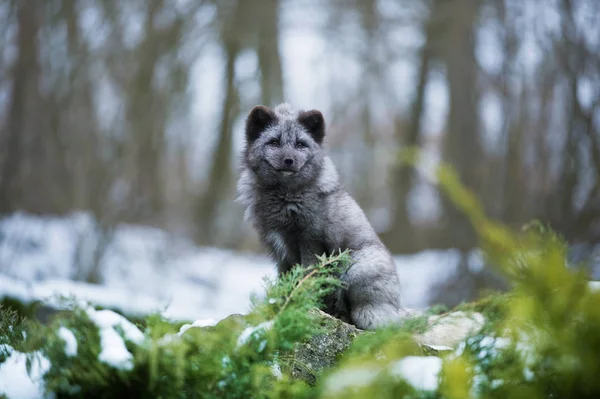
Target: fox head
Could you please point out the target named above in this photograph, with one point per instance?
(284, 147)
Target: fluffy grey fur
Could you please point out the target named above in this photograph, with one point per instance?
(293, 197)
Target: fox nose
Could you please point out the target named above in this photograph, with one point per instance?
(288, 161)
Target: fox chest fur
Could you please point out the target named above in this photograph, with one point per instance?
(294, 225)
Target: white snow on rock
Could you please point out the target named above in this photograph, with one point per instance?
(16, 383)
(450, 329)
(422, 372)
(247, 333)
(167, 339)
(198, 324)
(70, 341)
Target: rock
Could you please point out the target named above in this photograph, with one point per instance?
(448, 330)
(320, 352)
(236, 320)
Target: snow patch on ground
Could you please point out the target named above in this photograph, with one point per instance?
(145, 270)
(16, 383)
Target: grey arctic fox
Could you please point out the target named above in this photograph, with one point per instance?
(293, 197)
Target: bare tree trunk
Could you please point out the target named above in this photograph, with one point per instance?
(399, 238)
(513, 189)
(220, 175)
(365, 187)
(462, 148)
(269, 58)
(89, 177)
(238, 33)
(577, 218)
(24, 85)
(147, 117)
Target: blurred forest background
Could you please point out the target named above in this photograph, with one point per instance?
(133, 110)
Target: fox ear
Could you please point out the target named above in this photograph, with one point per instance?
(258, 120)
(314, 122)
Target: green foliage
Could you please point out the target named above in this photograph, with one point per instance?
(11, 331)
(290, 300)
(21, 309)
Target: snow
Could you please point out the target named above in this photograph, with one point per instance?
(70, 341)
(146, 270)
(276, 371)
(40, 256)
(110, 319)
(422, 372)
(167, 339)
(353, 377)
(490, 345)
(113, 350)
(16, 383)
(249, 331)
(528, 374)
(13, 288)
(497, 383)
(197, 323)
(594, 286)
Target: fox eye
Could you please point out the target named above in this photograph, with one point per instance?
(273, 143)
(301, 145)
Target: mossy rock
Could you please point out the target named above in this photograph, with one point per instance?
(322, 351)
